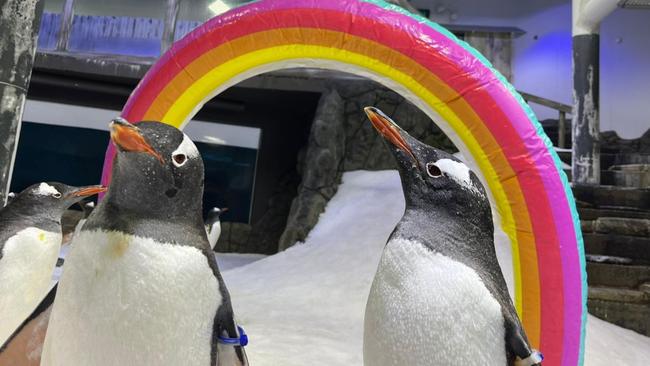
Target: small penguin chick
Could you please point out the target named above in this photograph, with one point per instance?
(439, 276)
(30, 239)
(213, 225)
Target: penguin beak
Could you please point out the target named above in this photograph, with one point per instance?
(389, 130)
(128, 137)
(87, 191)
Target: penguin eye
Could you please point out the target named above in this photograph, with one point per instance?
(57, 195)
(179, 159)
(433, 170)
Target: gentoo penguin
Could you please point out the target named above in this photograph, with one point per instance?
(141, 285)
(30, 239)
(439, 297)
(213, 225)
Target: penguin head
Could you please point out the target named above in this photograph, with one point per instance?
(50, 199)
(214, 215)
(430, 176)
(156, 166)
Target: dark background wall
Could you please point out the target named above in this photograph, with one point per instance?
(283, 116)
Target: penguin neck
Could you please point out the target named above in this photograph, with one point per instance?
(435, 223)
(424, 204)
(166, 224)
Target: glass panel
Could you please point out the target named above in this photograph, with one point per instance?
(76, 155)
(48, 33)
(122, 27)
(62, 146)
(195, 12)
(57, 153)
(229, 177)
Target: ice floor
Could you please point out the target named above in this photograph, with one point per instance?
(305, 306)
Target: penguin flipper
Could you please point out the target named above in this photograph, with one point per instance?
(25, 344)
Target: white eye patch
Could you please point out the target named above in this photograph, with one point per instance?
(457, 171)
(186, 148)
(45, 189)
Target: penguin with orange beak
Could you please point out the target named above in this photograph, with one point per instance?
(439, 296)
(30, 240)
(213, 225)
(141, 284)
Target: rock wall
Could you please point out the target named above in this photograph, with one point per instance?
(19, 22)
(320, 168)
(263, 237)
(612, 143)
(342, 139)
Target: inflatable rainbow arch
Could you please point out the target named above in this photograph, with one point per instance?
(457, 87)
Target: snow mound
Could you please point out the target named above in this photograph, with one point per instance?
(305, 306)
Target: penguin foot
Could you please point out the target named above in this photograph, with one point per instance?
(535, 358)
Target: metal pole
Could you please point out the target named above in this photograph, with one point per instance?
(66, 25)
(19, 24)
(586, 124)
(173, 7)
(587, 15)
(561, 130)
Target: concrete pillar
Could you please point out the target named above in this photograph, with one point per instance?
(586, 122)
(171, 16)
(587, 15)
(19, 24)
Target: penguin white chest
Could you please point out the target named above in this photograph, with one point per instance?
(427, 309)
(214, 232)
(28, 259)
(127, 300)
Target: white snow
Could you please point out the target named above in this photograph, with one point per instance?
(228, 261)
(305, 306)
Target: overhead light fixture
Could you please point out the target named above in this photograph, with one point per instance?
(219, 7)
